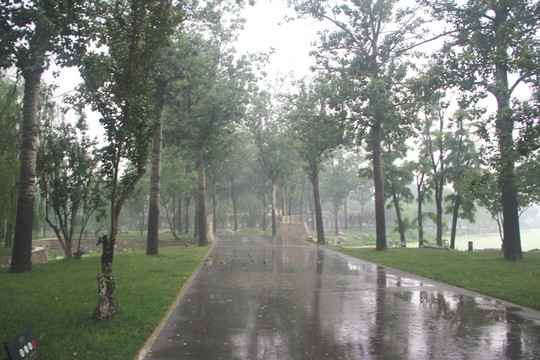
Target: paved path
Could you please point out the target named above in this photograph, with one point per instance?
(263, 298)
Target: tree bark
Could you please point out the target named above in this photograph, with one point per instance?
(196, 220)
(152, 247)
(336, 220)
(419, 215)
(21, 258)
(201, 197)
(187, 203)
(107, 305)
(439, 210)
(274, 217)
(380, 222)
(283, 211)
(302, 196)
(318, 209)
(152, 238)
(235, 207)
(264, 225)
(214, 208)
(401, 227)
(346, 222)
(180, 218)
(455, 216)
(504, 130)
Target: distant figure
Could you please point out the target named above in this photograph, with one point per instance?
(185, 244)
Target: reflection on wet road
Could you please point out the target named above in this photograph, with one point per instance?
(263, 298)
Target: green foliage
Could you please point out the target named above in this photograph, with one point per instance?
(119, 84)
(54, 301)
(70, 188)
(339, 178)
(34, 31)
(317, 130)
(10, 119)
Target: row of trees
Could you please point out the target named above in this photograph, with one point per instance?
(488, 48)
(167, 74)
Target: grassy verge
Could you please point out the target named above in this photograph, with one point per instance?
(57, 301)
(483, 272)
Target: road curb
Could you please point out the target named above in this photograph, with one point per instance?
(145, 350)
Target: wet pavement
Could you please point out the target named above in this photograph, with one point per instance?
(262, 298)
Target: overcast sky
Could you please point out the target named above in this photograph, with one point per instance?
(266, 28)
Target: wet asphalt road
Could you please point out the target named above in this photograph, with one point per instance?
(263, 298)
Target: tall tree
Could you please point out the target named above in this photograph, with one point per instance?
(421, 173)
(33, 32)
(152, 247)
(170, 66)
(463, 156)
(237, 170)
(435, 141)
(273, 147)
(118, 84)
(366, 46)
(398, 179)
(338, 182)
(318, 132)
(177, 184)
(211, 96)
(495, 50)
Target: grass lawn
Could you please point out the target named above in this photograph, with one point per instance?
(57, 300)
(483, 272)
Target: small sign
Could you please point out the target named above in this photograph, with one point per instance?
(23, 346)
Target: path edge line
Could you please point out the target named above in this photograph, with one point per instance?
(152, 339)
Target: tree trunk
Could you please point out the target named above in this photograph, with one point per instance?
(401, 227)
(264, 226)
(201, 197)
(283, 211)
(180, 214)
(274, 217)
(21, 258)
(186, 214)
(302, 195)
(235, 214)
(234, 206)
(152, 238)
(380, 224)
(439, 210)
(420, 217)
(152, 247)
(346, 222)
(107, 306)
(336, 220)
(505, 128)
(455, 215)
(214, 208)
(196, 221)
(9, 232)
(318, 209)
